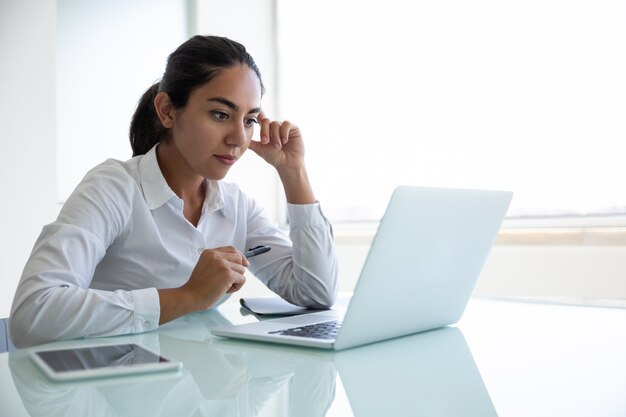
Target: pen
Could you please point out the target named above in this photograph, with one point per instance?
(256, 251)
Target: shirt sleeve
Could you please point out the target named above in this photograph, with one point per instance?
(53, 300)
(302, 269)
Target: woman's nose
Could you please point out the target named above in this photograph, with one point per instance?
(237, 136)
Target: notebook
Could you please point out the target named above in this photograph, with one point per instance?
(419, 274)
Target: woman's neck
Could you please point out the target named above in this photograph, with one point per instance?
(186, 183)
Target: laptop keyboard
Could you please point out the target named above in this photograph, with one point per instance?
(325, 330)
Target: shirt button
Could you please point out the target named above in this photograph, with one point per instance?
(146, 324)
(200, 250)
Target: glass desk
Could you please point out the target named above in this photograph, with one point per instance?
(502, 359)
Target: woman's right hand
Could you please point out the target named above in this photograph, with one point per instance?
(218, 271)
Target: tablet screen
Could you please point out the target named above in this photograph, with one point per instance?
(88, 358)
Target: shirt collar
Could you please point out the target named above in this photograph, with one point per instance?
(214, 198)
(157, 192)
(155, 188)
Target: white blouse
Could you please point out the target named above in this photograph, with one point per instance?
(122, 234)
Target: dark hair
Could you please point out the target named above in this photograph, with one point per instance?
(191, 65)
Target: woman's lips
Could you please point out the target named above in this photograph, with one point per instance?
(226, 159)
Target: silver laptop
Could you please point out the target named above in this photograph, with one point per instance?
(419, 274)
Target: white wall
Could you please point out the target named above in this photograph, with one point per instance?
(593, 274)
(108, 54)
(579, 274)
(27, 117)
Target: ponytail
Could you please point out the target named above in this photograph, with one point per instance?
(146, 129)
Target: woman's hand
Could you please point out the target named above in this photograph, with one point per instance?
(218, 272)
(281, 146)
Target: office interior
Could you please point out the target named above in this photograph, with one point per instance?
(60, 57)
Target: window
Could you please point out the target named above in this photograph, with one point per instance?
(525, 96)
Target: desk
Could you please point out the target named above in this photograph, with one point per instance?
(504, 358)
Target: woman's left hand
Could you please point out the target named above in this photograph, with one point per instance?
(280, 144)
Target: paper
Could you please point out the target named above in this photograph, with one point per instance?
(274, 306)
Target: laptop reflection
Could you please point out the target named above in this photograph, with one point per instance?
(427, 374)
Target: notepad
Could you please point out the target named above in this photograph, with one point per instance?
(273, 306)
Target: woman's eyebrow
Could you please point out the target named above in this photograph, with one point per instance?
(232, 105)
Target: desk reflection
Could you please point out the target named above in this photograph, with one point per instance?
(428, 374)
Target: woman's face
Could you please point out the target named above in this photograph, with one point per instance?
(215, 127)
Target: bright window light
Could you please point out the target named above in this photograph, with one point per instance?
(528, 96)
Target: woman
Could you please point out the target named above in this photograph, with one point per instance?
(143, 242)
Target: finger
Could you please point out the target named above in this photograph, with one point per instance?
(234, 288)
(238, 268)
(227, 249)
(237, 258)
(264, 131)
(237, 284)
(285, 128)
(231, 254)
(255, 146)
(275, 135)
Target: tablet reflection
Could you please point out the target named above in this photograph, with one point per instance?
(213, 382)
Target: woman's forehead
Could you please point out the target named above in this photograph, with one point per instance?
(239, 85)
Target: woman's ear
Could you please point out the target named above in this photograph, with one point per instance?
(164, 109)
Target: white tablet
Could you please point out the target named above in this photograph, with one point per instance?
(100, 361)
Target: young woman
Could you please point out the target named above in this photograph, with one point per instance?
(143, 242)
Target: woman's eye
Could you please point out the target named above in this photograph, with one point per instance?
(220, 115)
(251, 122)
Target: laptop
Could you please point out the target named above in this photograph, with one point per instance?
(419, 274)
